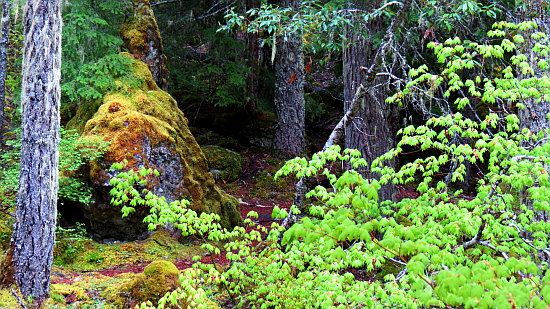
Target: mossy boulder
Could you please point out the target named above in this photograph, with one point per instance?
(157, 279)
(224, 164)
(144, 126)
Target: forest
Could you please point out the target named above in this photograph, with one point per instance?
(274, 154)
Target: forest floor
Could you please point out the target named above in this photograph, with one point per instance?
(86, 273)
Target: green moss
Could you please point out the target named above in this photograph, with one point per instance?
(59, 292)
(7, 300)
(96, 256)
(83, 114)
(226, 165)
(157, 279)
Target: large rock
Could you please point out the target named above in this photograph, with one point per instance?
(225, 165)
(143, 125)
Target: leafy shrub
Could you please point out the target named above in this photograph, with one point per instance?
(442, 249)
(74, 152)
(90, 48)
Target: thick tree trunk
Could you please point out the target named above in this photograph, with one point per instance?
(142, 38)
(5, 23)
(535, 114)
(34, 231)
(289, 138)
(369, 130)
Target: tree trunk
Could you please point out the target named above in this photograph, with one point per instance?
(4, 45)
(290, 138)
(253, 48)
(369, 130)
(534, 115)
(34, 231)
(142, 38)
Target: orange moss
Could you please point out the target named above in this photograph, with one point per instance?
(139, 114)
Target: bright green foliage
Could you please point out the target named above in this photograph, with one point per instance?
(74, 152)
(466, 65)
(129, 192)
(89, 35)
(188, 294)
(441, 249)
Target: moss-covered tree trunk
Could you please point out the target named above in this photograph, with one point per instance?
(290, 139)
(142, 38)
(34, 231)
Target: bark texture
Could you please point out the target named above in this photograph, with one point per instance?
(5, 23)
(290, 140)
(142, 38)
(370, 129)
(34, 232)
(253, 47)
(534, 115)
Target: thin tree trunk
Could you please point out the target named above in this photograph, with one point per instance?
(253, 48)
(34, 231)
(5, 23)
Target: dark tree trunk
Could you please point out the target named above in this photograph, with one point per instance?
(290, 138)
(142, 38)
(34, 231)
(369, 130)
(4, 45)
(253, 48)
(534, 115)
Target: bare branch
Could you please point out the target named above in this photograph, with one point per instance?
(164, 2)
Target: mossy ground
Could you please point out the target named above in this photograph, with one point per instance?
(89, 255)
(88, 274)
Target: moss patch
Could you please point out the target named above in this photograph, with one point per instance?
(142, 38)
(157, 279)
(225, 165)
(96, 256)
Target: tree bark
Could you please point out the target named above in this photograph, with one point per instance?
(34, 231)
(289, 138)
(4, 45)
(369, 130)
(253, 47)
(535, 115)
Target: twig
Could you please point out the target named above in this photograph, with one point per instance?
(18, 298)
(163, 2)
